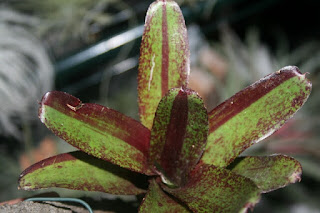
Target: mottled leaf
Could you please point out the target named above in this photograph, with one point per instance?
(268, 172)
(164, 57)
(79, 171)
(178, 135)
(158, 201)
(97, 130)
(213, 189)
(253, 114)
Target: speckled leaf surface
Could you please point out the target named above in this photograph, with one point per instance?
(97, 130)
(178, 135)
(164, 57)
(79, 171)
(253, 114)
(268, 172)
(213, 189)
(156, 200)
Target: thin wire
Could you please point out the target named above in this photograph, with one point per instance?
(76, 200)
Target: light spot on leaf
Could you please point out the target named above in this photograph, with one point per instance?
(151, 71)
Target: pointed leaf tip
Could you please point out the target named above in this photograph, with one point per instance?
(254, 114)
(97, 130)
(164, 57)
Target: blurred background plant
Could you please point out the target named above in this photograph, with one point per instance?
(91, 48)
(26, 72)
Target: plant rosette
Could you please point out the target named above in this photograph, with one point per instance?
(184, 158)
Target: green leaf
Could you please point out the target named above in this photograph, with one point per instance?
(213, 189)
(178, 135)
(268, 172)
(79, 171)
(253, 114)
(97, 130)
(164, 57)
(157, 200)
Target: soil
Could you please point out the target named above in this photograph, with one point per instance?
(36, 207)
(100, 206)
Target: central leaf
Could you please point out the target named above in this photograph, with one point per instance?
(178, 135)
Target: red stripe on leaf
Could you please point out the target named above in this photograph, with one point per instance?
(170, 158)
(52, 160)
(165, 51)
(133, 132)
(79, 171)
(254, 114)
(241, 100)
(178, 135)
(245, 98)
(164, 57)
(214, 189)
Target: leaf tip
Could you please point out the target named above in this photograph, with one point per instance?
(41, 111)
(296, 175)
(251, 203)
(290, 67)
(21, 183)
(297, 72)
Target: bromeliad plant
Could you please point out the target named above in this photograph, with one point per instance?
(189, 155)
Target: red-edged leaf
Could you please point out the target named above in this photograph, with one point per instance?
(79, 171)
(213, 189)
(268, 172)
(164, 57)
(178, 135)
(158, 201)
(97, 130)
(253, 114)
